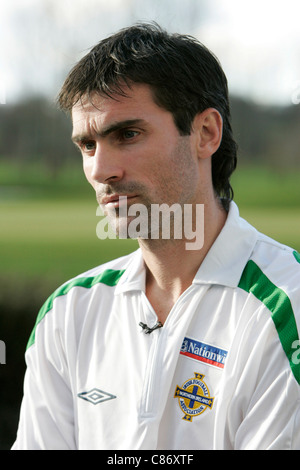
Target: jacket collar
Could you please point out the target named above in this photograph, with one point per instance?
(225, 261)
(223, 264)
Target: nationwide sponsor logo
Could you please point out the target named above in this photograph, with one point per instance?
(204, 352)
(194, 397)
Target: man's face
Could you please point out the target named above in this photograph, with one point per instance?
(131, 147)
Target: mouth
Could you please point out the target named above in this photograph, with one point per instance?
(116, 200)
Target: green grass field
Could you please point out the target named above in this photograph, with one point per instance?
(54, 238)
(49, 230)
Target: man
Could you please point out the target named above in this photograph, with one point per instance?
(169, 347)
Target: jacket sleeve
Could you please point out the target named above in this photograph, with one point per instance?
(262, 397)
(47, 413)
(271, 417)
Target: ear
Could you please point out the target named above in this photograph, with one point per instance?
(208, 128)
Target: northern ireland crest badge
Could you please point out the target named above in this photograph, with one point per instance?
(194, 397)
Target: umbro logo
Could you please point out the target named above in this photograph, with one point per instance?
(96, 396)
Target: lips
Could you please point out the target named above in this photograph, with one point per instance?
(114, 200)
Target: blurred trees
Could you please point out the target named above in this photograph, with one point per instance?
(36, 131)
(267, 135)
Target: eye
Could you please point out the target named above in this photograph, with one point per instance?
(88, 145)
(128, 134)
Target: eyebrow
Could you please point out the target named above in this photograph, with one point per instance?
(109, 129)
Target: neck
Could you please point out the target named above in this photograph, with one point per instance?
(171, 267)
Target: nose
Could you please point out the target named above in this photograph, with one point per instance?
(106, 165)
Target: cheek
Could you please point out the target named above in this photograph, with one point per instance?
(87, 170)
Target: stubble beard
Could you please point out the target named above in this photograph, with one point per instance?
(175, 186)
(118, 217)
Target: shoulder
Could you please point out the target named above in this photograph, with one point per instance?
(108, 274)
(272, 275)
(272, 263)
(105, 276)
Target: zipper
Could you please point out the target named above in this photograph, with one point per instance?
(146, 408)
(152, 382)
(150, 392)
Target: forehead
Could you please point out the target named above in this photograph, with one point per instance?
(137, 99)
(96, 112)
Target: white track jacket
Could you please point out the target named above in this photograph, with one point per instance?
(222, 373)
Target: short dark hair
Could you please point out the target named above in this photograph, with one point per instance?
(185, 78)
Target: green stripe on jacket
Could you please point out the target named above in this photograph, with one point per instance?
(276, 300)
(109, 277)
